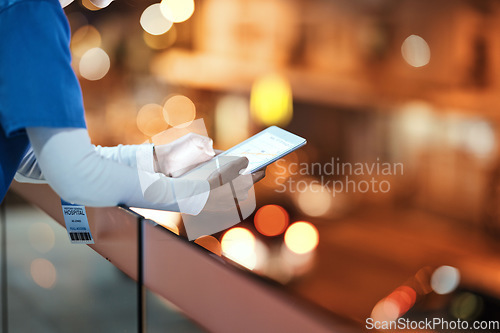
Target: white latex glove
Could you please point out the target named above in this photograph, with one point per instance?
(183, 154)
(231, 196)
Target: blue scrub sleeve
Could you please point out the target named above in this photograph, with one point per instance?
(37, 84)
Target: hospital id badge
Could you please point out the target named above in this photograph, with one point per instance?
(77, 224)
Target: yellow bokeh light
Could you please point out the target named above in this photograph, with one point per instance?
(416, 51)
(43, 273)
(84, 39)
(153, 21)
(271, 100)
(150, 120)
(177, 10)
(301, 237)
(94, 64)
(160, 42)
(179, 111)
(238, 244)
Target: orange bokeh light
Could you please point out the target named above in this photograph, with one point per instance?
(405, 297)
(271, 220)
(301, 237)
(179, 111)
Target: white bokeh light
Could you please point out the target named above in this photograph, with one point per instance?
(94, 64)
(445, 279)
(416, 51)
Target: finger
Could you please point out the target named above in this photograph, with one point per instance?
(230, 168)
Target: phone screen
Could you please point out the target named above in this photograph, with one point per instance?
(261, 150)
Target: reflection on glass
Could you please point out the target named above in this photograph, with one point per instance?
(43, 273)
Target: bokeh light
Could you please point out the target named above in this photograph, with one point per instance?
(179, 111)
(150, 120)
(231, 121)
(416, 51)
(271, 100)
(423, 280)
(84, 39)
(301, 237)
(466, 306)
(445, 279)
(210, 243)
(41, 237)
(404, 297)
(271, 220)
(416, 123)
(160, 42)
(153, 21)
(43, 273)
(238, 244)
(479, 138)
(315, 200)
(385, 310)
(94, 64)
(177, 10)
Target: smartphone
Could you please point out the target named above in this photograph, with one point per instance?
(266, 147)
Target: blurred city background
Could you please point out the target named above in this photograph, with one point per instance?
(390, 210)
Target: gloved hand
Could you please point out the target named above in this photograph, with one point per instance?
(218, 171)
(183, 154)
(225, 172)
(231, 196)
(256, 176)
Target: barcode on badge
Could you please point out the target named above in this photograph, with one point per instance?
(80, 236)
